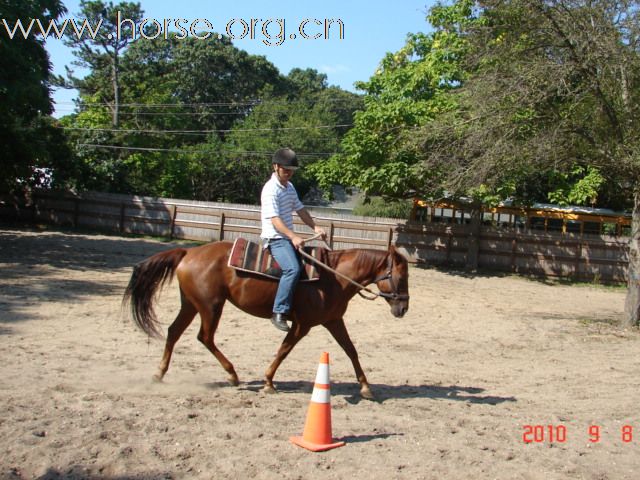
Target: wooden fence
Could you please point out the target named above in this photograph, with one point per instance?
(586, 257)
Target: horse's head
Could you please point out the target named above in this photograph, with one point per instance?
(393, 282)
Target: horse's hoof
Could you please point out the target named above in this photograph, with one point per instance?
(157, 378)
(233, 380)
(269, 389)
(365, 392)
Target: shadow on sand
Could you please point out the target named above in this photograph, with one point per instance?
(39, 268)
(384, 392)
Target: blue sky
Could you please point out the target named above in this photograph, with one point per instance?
(371, 29)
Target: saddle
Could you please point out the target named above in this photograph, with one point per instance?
(248, 256)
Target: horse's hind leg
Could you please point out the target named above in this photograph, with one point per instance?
(176, 329)
(210, 320)
(339, 331)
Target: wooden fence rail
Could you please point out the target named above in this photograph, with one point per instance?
(590, 257)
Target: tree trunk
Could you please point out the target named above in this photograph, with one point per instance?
(632, 304)
(116, 90)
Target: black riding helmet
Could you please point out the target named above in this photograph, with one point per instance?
(286, 158)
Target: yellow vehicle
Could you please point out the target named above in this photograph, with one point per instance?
(543, 217)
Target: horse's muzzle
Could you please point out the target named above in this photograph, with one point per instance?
(399, 309)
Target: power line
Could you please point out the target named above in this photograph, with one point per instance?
(205, 107)
(182, 113)
(209, 104)
(205, 132)
(165, 113)
(178, 150)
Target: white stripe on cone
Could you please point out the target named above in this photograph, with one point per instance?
(322, 377)
(321, 395)
(321, 391)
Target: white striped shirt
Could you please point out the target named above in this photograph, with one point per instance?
(277, 200)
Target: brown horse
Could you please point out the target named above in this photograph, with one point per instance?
(207, 282)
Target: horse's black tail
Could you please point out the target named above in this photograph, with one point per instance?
(147, 279)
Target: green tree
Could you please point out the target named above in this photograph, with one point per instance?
(102, 54)
(578, 187)
(343, 105)
(175, 94)
(223, 80)
(304, 124)
(29, 138)
(409, 89)
(307, 81)
(305, 118)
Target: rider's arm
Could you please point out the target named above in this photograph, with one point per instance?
(305, 216)
(290, 234)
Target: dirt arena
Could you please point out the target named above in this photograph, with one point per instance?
(458, 379)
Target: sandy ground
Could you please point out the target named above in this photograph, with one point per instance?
(476, 359)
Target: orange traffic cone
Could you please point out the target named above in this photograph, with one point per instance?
(317, 429)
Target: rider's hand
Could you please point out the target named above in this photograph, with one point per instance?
(320, 231)
(297, 241)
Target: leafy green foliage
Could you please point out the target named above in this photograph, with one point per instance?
(527, 100)
(382, 207)
(28, 137)
(306, 123)
(102, 53)
(579, 187)
(407, 91)
(200, 119)
(547, 107)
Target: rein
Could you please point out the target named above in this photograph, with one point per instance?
(387, 276)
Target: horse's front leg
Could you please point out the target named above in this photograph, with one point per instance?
(296, 333)
(338, 329)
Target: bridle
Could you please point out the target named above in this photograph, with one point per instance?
(388, 275)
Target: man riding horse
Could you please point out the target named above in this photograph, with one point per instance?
(279, 200)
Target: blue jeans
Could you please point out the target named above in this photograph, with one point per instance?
(285, 254)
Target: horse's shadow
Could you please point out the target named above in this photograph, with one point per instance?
(368, 438)
(383, 392)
